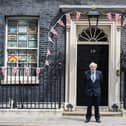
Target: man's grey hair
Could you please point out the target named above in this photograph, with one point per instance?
(93, 64)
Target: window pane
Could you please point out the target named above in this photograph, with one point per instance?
(32, 44)
(12, 51)
(22, 37)
(22, 58)
(12, 37)
(22, 52)
(12, 29)
(22, 22)
(22, 43)
(32, 37)
(22, 29)
(32, 26)
(12, 43)
(32, 56)
(32, 29)
(32, 41)
(12, 22)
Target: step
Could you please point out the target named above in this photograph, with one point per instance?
(84, 108)
(82, 113)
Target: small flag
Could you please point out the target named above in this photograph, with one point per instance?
(47, 63)
(48, 53)
(60, 22)
(117, 17)
(49, 39)
(124, 22)
(4, 70)
(109, 16)
(14, 70)
(37, 71)
(78, 15)
(27, 71)
(54, 31)
(68, 17)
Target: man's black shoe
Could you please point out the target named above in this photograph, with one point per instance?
(87, 120)
(98, 121)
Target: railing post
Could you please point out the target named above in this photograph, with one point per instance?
(47, 87)
(59, 77)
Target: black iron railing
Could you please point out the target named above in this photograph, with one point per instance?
(123, 79)
(31, 91)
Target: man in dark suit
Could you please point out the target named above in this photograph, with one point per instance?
(93, 80)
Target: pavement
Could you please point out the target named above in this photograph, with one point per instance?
(59, 120)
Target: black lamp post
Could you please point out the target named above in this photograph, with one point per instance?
(93, 17)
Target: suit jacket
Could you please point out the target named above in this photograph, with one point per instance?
(93, 88)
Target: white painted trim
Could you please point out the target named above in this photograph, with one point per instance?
(85, 22)
(111, 65)
(72, 65)
(24, 17)
(92, 43)
(5, 48)
(90, 6)
(67, 78)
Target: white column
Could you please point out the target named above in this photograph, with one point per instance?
(117, 79)
(111, 87)
(67, 70)
(114, 65)
(72, 66)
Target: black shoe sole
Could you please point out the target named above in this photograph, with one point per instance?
(98, 121)
(86, 121)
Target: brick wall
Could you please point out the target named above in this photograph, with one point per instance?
(48, 12)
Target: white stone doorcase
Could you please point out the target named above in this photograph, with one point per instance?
(114, 60)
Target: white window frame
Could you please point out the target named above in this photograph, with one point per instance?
(25, 79)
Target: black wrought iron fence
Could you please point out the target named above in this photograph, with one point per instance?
(29, 90)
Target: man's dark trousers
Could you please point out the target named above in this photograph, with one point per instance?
(93, 101)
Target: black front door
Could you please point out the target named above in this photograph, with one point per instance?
(85, 55)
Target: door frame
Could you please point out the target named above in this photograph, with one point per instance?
(71, 61)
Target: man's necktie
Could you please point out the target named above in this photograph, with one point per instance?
(93, 76)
